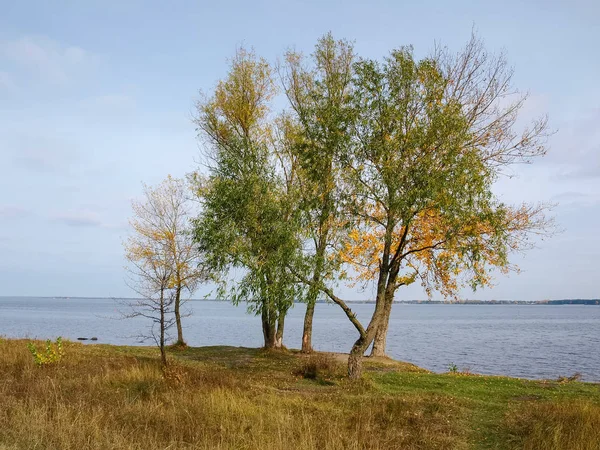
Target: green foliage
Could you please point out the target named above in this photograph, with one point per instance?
(452, 368)
(319, 92)
(385, 167)
(248, 221)
(52, 353)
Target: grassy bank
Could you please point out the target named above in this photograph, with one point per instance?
(100, 397)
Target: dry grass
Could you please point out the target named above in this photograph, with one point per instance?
(572, 425)
(101, 397)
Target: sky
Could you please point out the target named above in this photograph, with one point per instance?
(96, 97)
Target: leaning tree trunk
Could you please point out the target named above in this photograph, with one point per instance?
(355, 358)
(180, 340)
(362, 343)
(385, 292)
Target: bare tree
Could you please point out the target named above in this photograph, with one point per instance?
(162, 256)
(174, 215)
(151, 270)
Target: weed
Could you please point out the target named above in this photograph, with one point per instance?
(53, 352)
(452, 368)
(575, 377)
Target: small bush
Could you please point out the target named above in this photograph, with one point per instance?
(52, 354)
(318, 366)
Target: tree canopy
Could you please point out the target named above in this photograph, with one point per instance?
(383, 170)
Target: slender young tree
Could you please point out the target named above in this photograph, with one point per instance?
(173, 214)
(163, 258)
(319, 94)
(150, 271)
(248, 221)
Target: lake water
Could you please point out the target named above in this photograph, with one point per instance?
(517, 340)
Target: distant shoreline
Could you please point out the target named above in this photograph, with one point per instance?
(578, 301)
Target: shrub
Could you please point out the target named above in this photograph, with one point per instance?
(318, 366)
(452, 368)
(52, 354)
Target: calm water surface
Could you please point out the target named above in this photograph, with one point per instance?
(517, 340)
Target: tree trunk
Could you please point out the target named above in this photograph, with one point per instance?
(313, 290)
(268, 326)
(180, 340)
(380, 340)
(355, 359)
(279, 334)
(363, 342)
(163, 354)
(308, 323)
(385, 290)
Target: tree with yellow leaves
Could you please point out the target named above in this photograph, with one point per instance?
(427, 141)
(164, 261)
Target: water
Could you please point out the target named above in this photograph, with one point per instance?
(517, 340)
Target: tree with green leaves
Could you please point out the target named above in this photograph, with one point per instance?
(248, 219)
(319, 94)
(427, 141)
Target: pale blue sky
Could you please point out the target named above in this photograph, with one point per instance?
(96, 97)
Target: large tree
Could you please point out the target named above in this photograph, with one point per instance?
(428, 141)
(447, 256)
(248, 221)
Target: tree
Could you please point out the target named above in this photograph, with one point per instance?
(151, 271)
(320, 99)
(428, 141)
(248, 221)
(481, 85)
(172, 209)
(163, 257)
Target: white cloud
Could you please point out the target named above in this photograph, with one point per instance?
(42, 153)
(79, 219)
(13, 212)
(45, 58)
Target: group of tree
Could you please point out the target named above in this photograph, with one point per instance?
(378, 172)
